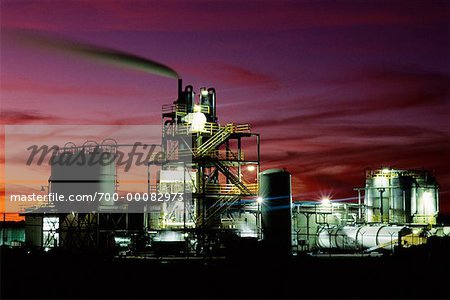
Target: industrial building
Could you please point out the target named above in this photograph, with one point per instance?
(227, 200)
(399, 209)
(202, 160)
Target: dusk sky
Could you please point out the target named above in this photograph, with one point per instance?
(333, 87)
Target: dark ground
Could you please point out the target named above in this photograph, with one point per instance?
(420, 273)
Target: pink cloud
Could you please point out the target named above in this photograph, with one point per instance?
(58, 89)
(220, 15)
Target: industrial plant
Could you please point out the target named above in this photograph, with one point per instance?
(226, 201)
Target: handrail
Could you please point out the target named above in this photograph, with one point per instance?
(229, 188)
(183, 108)
(211, 128)
(222, 135)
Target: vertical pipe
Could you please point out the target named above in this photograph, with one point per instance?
(212, 104)
(307, 229)
(180, 88)
(202, 172)
(184, 196)
(405, 215)
(257, 219)
(381, 191)
(436, 199)
(359, 205)
(239, 155)
(390, 199)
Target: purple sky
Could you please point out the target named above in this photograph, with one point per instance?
(333, 87)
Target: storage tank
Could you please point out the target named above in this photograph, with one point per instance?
(83, 173)
(360, 237)
(397, 201)
(425, 199)
(408, 196)
(276, 204)
(377, 198)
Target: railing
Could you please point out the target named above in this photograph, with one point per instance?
(186, 129)
(233, 178)
(241, 128)
(223, 155)
(174, 108)
(226, 154)
(218, 154)
(216, 140)
(424, 218)
(88, 148)
(182, 109)
(229, 189)
(209, 128)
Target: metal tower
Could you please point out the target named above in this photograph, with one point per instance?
(206, 161)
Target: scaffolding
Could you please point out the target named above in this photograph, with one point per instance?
(214, 170)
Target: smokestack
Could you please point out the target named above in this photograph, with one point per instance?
(180, 89)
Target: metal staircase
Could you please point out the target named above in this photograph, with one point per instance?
(238, 189)
(215, 141)
(224, 202)
(233, 178)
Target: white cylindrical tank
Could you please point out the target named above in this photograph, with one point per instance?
(79, 174)
(378, 198)
(397, 205)
(401, 196)
(426, 200)
(359, 237)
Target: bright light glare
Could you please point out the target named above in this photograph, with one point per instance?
(204, 92)
(326, 201)
(197, 121)
(259, 199)
(428, 202)
(385, 171)
(197, 108)
(251, 168)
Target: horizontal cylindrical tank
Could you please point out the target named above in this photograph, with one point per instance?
(276, 203)
(359, 237)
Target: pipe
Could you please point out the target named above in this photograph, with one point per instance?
(351, 237)
(180, 89)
